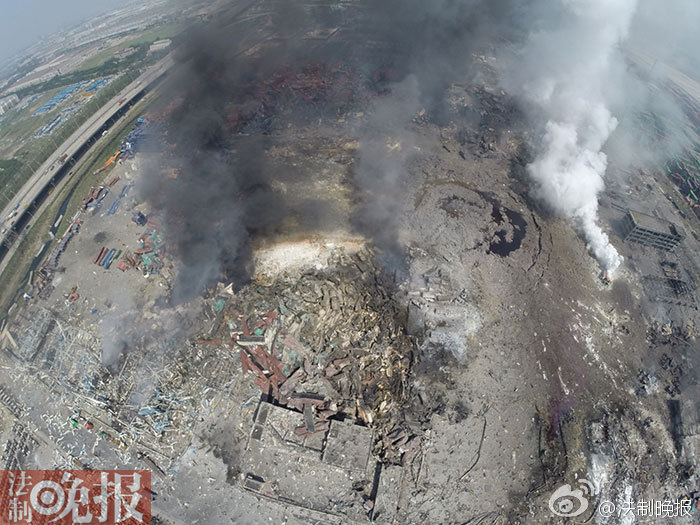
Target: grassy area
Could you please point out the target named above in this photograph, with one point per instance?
(105, 64)
(111, 67)
(21, 125)
(102, 57)
(82, 179)
(88, 177)
(18, 265)
(16, 133)
(157, 33)
(8, 168)
(145, 38)
(35, 152)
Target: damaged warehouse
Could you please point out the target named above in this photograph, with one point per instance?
(366, 263)
(648, 230)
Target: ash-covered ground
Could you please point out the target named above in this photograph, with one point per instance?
(359, 310)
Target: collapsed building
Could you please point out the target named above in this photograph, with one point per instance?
(336, 347)
(651, 231)
(344, 390)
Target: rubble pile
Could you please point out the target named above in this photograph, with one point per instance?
(95, 197)
(160, 394)
(61, 246)
(129, 143)
(148, 257)
(333, 343)
(618, 436)
(335, 88)
(489, 115)
(671, 333)
(42, 284)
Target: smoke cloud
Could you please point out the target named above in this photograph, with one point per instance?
(226, 193)
(222, 194)
(565, 66)
(250, 72)
(562, 73)
(386, 148)
(667, 32)
(426, 46)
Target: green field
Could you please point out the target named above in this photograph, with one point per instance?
(34, 152)
(23, 154)
(21, 125)
(8, 168)
(82, 179)
(146, 38)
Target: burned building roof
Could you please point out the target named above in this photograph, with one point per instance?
(651, 231)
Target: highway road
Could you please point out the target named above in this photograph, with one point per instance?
(38, 182)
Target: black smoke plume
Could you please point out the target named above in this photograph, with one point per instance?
(408, 53)
(394, 58)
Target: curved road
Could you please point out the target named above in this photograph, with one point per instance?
(45, 174)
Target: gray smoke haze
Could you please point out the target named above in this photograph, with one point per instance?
(429, 46)
(132, 324)
(562, 75)
(668, 32)
(386, 148)
(224, 193)
(561, 59)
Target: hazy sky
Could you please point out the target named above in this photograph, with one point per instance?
(22, 22)
(666, 30)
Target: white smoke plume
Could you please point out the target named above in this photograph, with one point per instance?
(562, 75)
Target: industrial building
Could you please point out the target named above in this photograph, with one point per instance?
(651, 231)
(159, 45)
(7, 103)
